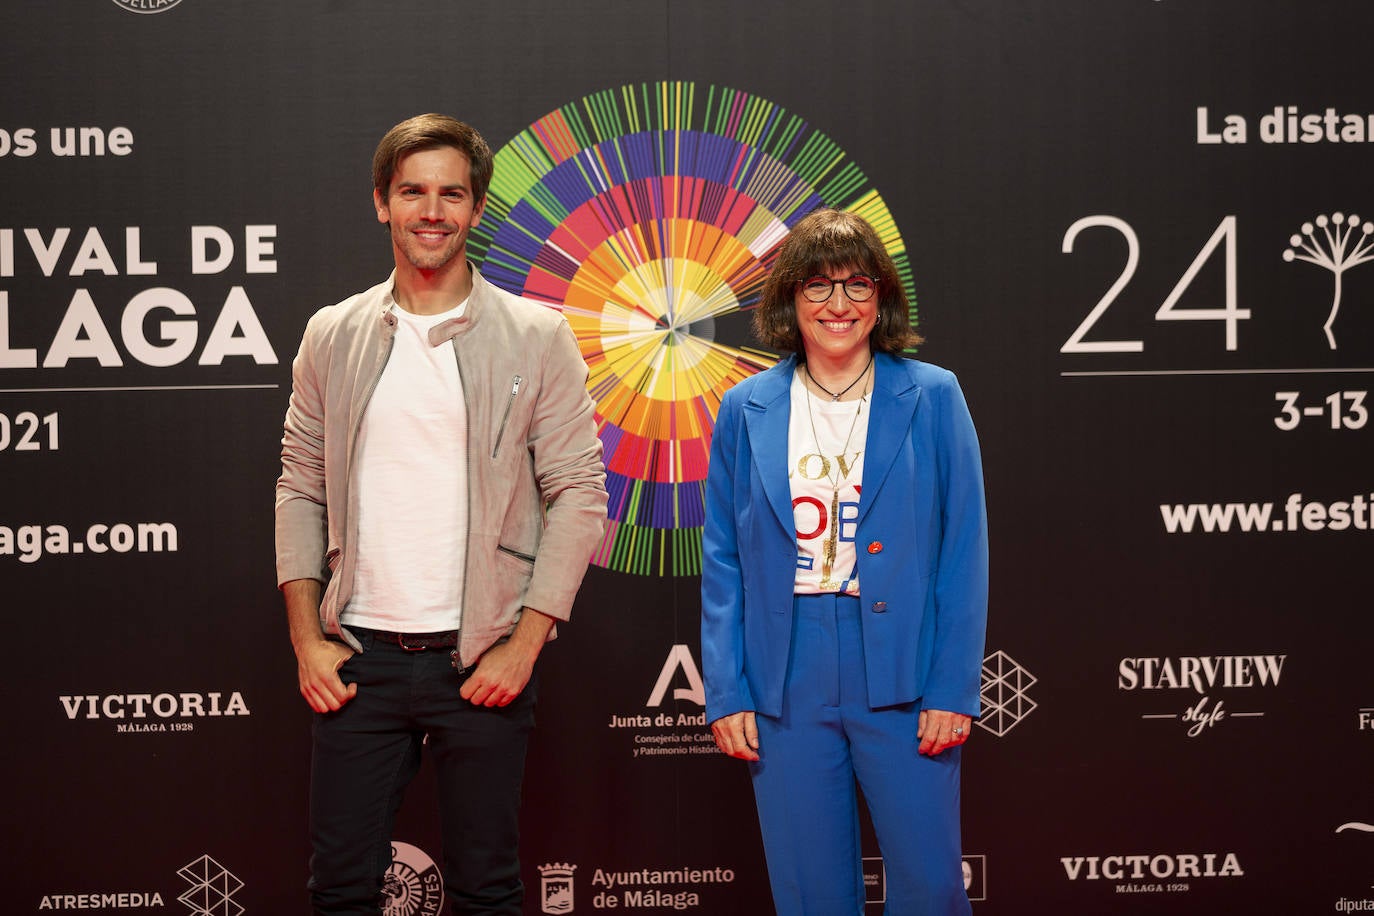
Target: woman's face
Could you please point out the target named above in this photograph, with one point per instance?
(836, 330)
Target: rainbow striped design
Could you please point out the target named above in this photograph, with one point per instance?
(649, 217)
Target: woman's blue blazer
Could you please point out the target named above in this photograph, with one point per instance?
(921, 541)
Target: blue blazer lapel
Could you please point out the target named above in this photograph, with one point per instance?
(766, 415)
(895, 394)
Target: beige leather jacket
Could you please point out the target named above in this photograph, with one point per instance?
(536, 484)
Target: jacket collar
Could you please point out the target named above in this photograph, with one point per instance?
(480, 298)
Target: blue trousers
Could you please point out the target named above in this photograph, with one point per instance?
(804, 783)
(368, 751)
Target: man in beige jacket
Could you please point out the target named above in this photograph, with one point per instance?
(441, 493)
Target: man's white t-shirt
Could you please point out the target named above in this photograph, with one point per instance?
(411, 484)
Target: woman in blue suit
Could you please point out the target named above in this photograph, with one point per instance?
(844, 582)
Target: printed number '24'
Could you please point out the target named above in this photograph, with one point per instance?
(1230, 314)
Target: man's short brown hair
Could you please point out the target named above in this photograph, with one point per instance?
(430, 131)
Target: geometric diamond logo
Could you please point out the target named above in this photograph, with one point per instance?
(1004, 693)
(212, 888)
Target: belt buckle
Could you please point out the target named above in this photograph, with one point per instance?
(401, 641)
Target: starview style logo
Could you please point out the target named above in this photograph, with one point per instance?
(1205, 675)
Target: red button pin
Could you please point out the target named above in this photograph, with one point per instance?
(875, 547)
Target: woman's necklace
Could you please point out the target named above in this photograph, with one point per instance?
(832, 538)
(833, 395)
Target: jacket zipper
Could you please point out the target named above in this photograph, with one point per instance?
(515, 553)
(515, 384)
(457, 654)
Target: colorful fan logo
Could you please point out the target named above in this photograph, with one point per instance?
(650, 217)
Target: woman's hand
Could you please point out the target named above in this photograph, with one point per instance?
(737, 735)
(939, 730)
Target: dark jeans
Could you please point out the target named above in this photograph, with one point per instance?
(368, 751)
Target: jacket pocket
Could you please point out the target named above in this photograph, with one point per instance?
(507, 582)
(515, 553)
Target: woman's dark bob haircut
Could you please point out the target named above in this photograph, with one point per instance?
(825, 240)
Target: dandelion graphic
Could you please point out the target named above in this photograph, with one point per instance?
(1343, 250)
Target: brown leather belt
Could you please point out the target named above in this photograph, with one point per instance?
(419, 642)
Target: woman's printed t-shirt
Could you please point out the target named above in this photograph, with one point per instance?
(825, 516)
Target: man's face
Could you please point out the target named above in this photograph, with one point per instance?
(430, 208)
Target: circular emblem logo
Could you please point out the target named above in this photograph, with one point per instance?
(650, 215)
(413, 885)
(146, 6)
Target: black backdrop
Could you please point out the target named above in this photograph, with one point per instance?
(1179, 704)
